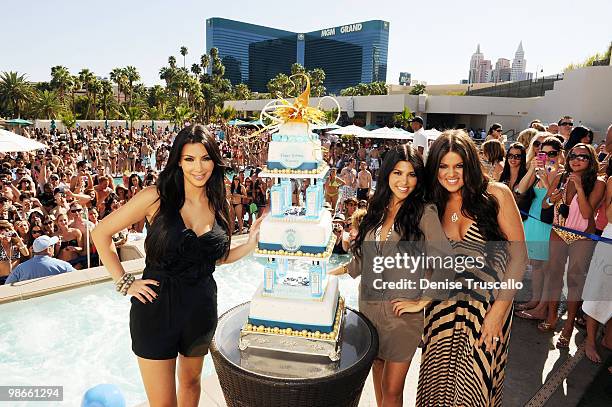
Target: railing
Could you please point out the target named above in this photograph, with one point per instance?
(519, 89)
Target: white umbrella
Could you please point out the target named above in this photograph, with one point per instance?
(352, 130)
(11, 142)
(432, 133)
(391, 134)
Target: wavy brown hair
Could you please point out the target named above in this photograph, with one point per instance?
(477, 203)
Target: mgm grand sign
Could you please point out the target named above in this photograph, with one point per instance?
(342, 30)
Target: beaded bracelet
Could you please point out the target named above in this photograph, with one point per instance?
(121, 281)
(127, 284)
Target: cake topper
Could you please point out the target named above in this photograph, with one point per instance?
(281, 111)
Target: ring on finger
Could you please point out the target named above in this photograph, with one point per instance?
(496, 339)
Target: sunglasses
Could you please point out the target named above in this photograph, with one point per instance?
(76, 210)
(537, 143)
(566, 124)
(580, 157)
(551, 154)
(515, 156)
(36, 232)
(49, 222)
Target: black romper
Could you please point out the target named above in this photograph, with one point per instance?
(183, 317)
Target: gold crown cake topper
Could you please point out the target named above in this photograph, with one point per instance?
(281, 111)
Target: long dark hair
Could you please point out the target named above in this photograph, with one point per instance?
(589, 176)
(171, 190)
(505, 175)
(477, 204)
(577, 134)
(409, 214)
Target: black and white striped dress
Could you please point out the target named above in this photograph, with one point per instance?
(454, 371)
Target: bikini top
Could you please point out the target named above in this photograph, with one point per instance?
(16, 254)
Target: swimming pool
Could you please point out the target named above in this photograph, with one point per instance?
(80, 338)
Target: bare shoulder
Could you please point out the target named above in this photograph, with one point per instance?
(500, 191)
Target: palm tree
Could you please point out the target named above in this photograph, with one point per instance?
(172, 61)
(85, 79)
(118, 76)
(184, 52)
(94, 87)
(75, 85)
(132, 113)
(157, 96)
(181, 115)
(196, 69)
(15, 90)
(132, 76)
(204, 62)
(47, 104)
(60, 79)
(106, 94)
(68, 120)
(403, 118)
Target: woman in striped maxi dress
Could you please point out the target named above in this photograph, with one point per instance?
(466, 337)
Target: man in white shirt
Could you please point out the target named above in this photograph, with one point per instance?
(420, 139)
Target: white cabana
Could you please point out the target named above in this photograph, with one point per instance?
(351, 130)
(11, 142)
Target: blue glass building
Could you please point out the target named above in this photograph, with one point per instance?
(254, 54)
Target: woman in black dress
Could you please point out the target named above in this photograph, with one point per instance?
(174, 305)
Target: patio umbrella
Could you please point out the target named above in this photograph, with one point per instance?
(326, 126)
(351, 130)
(18, 122)
(257, 122)
(391, 134)
(372, 126)
(236, 122)
(11, 142)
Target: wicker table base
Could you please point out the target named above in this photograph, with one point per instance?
(254, 378)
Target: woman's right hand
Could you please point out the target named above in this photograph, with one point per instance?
(555, 196)
(338, 271)
(141, 290)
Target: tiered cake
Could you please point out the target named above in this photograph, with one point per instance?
(297, 308)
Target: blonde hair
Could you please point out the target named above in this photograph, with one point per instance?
(526, 136)
(530, 152)
(357, 216)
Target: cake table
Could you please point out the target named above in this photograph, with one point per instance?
(258, 377)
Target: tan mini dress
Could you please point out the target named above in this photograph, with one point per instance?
(398, 336)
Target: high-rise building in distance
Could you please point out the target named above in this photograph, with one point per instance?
(474, 75)
(518, 64)
(481, 69)
(254, 54)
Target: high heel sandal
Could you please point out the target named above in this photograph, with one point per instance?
(563, 342)
(546, 327)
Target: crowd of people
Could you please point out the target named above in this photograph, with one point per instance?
(557, 184)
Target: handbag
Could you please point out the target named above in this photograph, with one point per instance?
(547, 215)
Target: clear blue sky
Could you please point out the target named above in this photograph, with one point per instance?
(431, 39)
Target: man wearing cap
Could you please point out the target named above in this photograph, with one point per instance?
(342, 242)
(420, 139)
(42, 264)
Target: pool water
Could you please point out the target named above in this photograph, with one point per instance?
(80, 338)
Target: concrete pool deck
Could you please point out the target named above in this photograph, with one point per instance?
(533, 361)
(533, 358)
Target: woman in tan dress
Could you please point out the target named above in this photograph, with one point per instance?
(397, 213)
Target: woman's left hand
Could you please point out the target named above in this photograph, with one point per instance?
(491, 331)
(402, 306)
(254, 232)
(576, 179)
